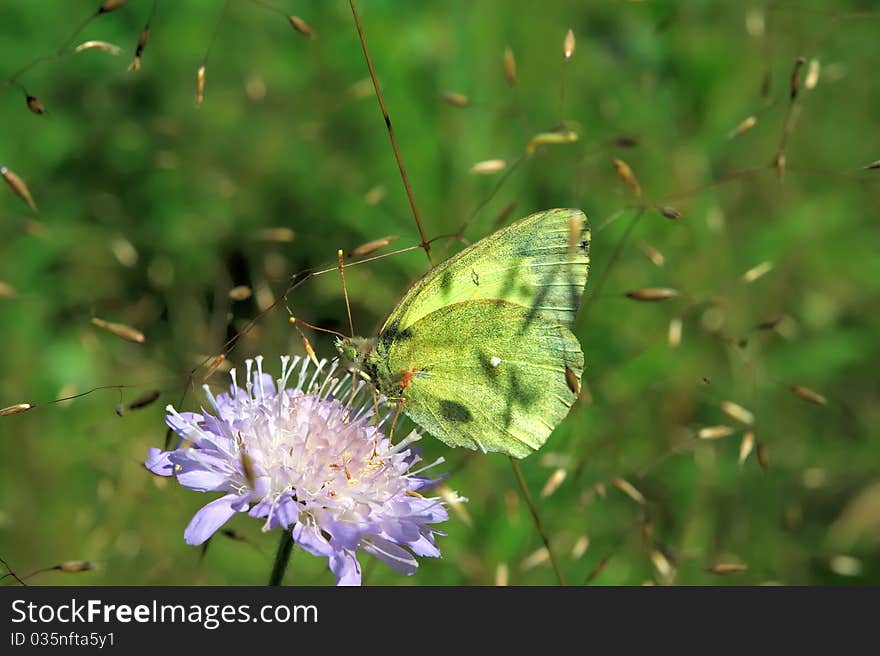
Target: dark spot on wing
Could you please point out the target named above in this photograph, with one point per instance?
(393, 333)
(446, 282)
(454, 411)
(519, 396)
(508, 284)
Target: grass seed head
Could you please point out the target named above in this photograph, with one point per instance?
(568, 45)
(75, 566)
(301, 26)
(670, 213)
(15, 409)
(744, 126)
(714, 432)
(240, 293)
(629, 490)
(550, 138)
(554, 481)
(736, 411)
(18, 186)
(111, 5)
(509, 66)
(812, 77)
(758, 271)
(489, 166)
(625, 173)
(746, 446)
(653, 294)
(102, 46)
(808, 395)
(122, 330)
(371, 246)
(200, 85)
(455, 99)
(726, 568)
(673, 334)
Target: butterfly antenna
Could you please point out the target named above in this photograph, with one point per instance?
(296, 321)
(340, 257)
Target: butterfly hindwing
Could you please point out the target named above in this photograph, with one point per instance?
(539, 262)
(484, 374)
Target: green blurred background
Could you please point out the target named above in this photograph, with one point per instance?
(152, 209)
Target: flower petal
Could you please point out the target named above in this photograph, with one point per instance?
(309, 538)
(205, 480)
(207, 520)
(391, 554)
(345, 566)
(158, 462)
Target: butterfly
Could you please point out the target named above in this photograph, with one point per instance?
(479, 351)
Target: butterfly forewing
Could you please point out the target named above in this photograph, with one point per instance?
(532, 263)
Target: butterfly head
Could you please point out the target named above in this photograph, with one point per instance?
(356, 352)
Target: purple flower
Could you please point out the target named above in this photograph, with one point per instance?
(310, 459)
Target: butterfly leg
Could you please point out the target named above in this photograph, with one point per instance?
(401, 401)
(378, 417)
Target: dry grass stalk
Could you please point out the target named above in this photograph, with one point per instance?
(795, 79)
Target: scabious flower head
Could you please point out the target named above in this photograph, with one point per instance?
(305, 453)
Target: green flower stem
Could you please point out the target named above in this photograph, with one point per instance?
(282, 558)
